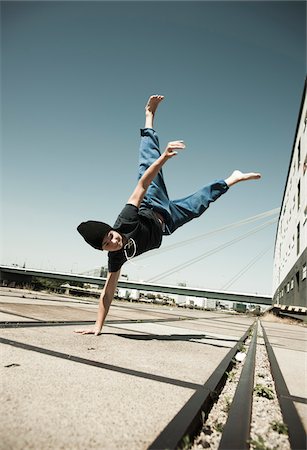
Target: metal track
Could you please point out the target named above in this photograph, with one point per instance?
(189, 419)
(297, 434)
(57, 323)
(236, 433)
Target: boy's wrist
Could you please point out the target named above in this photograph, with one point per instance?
(98, 325)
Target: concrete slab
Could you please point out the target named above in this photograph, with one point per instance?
(115, 391)
(6, 317)
(66, 405)
(214, 323)
(158, 331)
(144, 371)
(48, 312)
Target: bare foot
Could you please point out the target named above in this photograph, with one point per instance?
(150, 109)
(238, 176)
(153, 103)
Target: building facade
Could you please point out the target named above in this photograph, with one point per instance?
(289, 274)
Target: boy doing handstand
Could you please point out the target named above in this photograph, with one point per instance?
(149, 213)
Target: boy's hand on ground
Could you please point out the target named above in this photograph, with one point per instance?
(89, 331)
(171, 148)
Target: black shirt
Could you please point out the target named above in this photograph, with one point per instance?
(142, 227)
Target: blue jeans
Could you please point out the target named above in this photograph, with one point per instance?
(175, 212)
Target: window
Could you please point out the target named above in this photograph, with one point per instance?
(298, 195)
(298, 238)
(292, 284)
(288, 287)
(299, 154)
(304, 272)
(297, 276)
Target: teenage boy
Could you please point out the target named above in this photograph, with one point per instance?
(149, 213)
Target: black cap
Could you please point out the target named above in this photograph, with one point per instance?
(93, 232)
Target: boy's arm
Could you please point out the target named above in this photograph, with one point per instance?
(105, 301)
(153, 170)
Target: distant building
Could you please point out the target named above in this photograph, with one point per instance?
(201, 302)
(289, 274)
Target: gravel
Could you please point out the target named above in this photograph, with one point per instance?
(211, 432)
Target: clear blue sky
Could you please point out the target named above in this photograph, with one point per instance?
(75, 78)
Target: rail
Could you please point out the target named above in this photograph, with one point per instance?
(188, 421)
(183, 428)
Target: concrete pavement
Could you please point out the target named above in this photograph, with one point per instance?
(115, 391)
(289, 344)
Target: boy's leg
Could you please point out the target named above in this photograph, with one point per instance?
(156, 196)
(185, 209)
(149, 149)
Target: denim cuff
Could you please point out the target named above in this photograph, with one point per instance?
(147, 131)
(224, 185)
